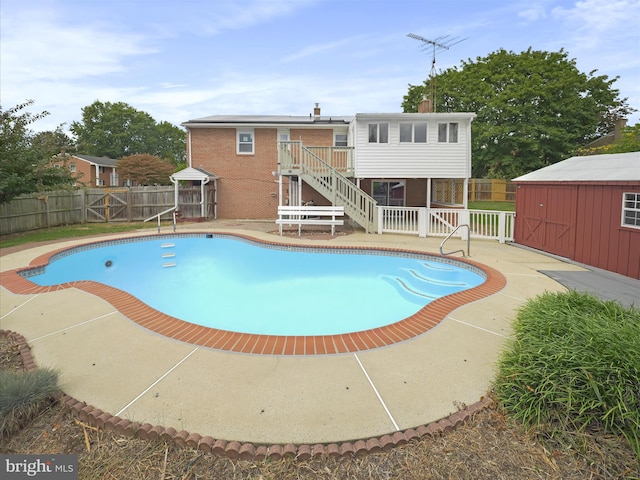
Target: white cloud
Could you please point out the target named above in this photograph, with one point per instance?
(38, 45)
(318, 48)
(533, 14)
(224, 16)
(597, 16)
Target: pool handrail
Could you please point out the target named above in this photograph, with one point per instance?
(449, 236)
(174, 208)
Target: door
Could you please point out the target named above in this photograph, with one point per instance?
(389, 193)
(546, 218)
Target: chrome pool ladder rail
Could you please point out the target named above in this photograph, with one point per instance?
(173, 210)
(451, 234)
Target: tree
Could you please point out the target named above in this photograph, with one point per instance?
(533, 109)
(145, 169)
(25, 158)
(118, 130)
(171, 144)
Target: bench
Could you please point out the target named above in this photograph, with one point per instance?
(310, 215)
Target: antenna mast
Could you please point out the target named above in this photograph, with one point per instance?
(440, 43)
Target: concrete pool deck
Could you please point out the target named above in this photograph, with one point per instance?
(114, 364)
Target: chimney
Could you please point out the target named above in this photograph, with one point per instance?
(316, 111)
(618, 127)
(425, 106)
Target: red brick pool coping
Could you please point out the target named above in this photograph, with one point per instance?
(420, 322)
(247, 451)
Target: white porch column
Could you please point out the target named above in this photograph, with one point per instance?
(423, 215)
(465, 194)
(464, 219)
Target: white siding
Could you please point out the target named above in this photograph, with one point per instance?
(412, 160)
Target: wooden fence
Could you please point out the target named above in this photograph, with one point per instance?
(451, 190)
(126, 204)
(491, 189)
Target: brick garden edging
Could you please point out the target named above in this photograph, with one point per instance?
(247, 451)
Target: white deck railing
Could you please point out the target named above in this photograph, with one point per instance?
(440, 222)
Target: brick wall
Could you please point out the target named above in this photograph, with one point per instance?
(87, 171)
(247, 187)
(246, 184)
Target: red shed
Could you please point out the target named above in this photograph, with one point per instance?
(584, 208)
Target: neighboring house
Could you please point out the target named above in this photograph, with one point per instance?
(611, 137)
(360, 161)
(584, 208)
(90, 171)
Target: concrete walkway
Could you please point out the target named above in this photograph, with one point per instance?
(114, 364)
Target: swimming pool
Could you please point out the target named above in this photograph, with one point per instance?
(238, 285)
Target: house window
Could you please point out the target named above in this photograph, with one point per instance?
(99, 182)
(448, 132)
(378, 133)
(56, 165)
(340, 140)
(100, 170)
(631, 210)
(413, 132)
(72, 168)
(389, 193)
(245, 142)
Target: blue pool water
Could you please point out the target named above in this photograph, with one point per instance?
(236, 285)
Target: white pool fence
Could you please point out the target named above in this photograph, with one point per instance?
(439, 222)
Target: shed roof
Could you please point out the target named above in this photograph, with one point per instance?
(592, 168)
(190, 173)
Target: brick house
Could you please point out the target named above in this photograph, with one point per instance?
(90, 171)
(360, 161)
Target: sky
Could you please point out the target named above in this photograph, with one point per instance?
(187, 59)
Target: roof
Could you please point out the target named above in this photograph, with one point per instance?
(313, 120)
(268, 120)
(418, 116)
(100, 161)
(190, 173)
(592, 168)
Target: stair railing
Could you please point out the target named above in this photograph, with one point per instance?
(172, 209)
(339, 189)
(451, 234)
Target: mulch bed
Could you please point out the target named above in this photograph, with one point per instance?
(488, 446)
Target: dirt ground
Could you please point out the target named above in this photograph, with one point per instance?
(489, 446)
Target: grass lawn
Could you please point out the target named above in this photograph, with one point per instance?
(70, 231)
(500, 206)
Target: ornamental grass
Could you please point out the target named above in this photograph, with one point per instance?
(574, 368)
(23, 395)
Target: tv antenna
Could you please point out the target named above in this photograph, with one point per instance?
(437, 45)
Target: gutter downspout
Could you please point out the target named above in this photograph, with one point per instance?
(202, 199)
(189, 158)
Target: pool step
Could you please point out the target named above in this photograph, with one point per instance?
(168, 255)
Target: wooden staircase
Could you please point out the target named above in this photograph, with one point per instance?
(314, 166)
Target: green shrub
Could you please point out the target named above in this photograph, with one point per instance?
(23, 395)
(575, 364)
